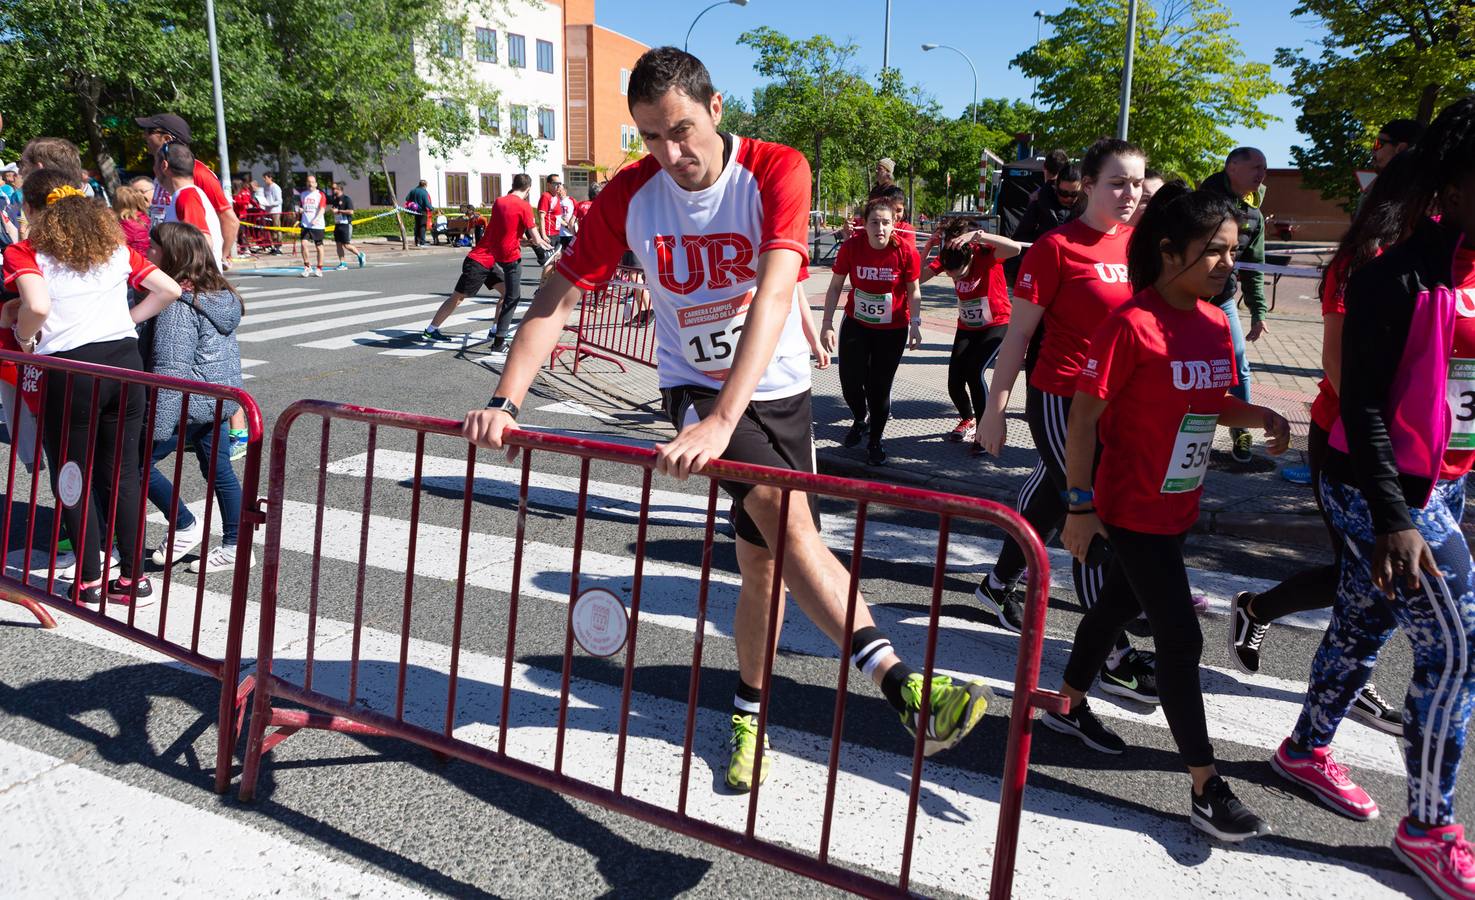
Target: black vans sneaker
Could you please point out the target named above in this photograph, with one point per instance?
(1003, 603)
(1135, 677)
(1369, 708)
(121, 590)
(1083, 723)
(856, 434)
(1245, 636)
(1218, 813)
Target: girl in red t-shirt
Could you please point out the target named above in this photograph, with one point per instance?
(885, 298)
(1150, 393)
(972, 259)
(1069, 281)
(1377, 224)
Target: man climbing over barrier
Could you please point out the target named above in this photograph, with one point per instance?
(721, 221)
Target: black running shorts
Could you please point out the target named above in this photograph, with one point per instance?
(475, 276)
(778, 433)
(343, 233)
(313, 234)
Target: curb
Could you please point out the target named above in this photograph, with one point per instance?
(250, 263)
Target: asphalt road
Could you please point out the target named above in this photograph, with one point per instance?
(376, 809)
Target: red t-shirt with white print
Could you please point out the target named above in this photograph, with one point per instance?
(982, 289)
(1079, 275)
(700, 253)
(1164, 373)
(879, 278)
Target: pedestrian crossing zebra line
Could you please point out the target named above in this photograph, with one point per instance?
(399, 332)
(255, 293)
(252, 335)
(315, 309)
(253, 306)
(1072, 844)
(250, 364)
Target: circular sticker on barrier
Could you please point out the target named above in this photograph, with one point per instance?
(600, 622)
(69, 484)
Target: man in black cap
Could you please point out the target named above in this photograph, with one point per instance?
(165, 128)
(1394, 138)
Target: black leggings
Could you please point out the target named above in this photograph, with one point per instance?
(1147, 574)
(124, 355)
(869, 358)
(973, 351)
(1309, 588)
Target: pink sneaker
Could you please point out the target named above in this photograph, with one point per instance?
(1326, 779)
(1441, 857)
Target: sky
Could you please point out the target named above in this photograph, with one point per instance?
(991, 32)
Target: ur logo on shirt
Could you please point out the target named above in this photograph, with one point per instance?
(1198, 374)
(875, 273)
(1465, 302)
(712, 261)
(1112, 273)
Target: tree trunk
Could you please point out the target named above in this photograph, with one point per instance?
(1427, 98)
(404, 242)
(89, 94)
(284, 177)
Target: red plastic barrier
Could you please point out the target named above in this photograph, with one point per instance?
(37, 588)
(256, 231)
(615, 323)
(373, 679)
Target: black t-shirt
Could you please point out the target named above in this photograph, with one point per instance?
(342, 205)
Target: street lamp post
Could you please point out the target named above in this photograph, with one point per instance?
(220, 142)
(974, 107)
(687, 43)
(1035, 92)
(1126, 101)
(886, 42)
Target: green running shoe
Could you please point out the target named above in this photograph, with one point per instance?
(744, 743)
(955, 710)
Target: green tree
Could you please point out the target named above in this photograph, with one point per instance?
(524, 148)
(1391, 59)
(1190, 80)
(1003, 117)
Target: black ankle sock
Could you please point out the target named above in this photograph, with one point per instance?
(748, 700)
(891, 683)
(868, 648)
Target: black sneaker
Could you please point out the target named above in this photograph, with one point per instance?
(857, 431)
(1245, 635)
(1083, 723)
(1135, 678)
(1003, 603)
(1241, 446)
(122, 591)
(1219, 813)
(1138, 627)
(91, 595)
(876, 455)
(499, 343)
(1369, 708)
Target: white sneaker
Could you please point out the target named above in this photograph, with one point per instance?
(306, 272)
(318, 272)
(220, 559)
(185, 540)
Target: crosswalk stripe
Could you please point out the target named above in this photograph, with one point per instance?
(1068, 841)
(402, 330)
(253, 307)
(282, 315)
(254, 292)
(289, 331)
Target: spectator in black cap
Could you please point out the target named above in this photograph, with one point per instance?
(1394, 138)
(165, 128)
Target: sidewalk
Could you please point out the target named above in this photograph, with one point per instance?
(1252, 501)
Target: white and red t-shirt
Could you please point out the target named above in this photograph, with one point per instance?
(501, 242)
(205, 180)
(700, 253)
(548, 209)
(982, 289)
(1459, 457)
(190, 205)
(312, 209)
(1079, 275)
(878, 279)
(1164, 373)
(86, 307)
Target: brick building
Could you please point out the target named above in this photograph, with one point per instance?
(1288, 201)
(601, 135)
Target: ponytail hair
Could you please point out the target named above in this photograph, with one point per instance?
(67, 226)
(951, 259)
(1175, 218)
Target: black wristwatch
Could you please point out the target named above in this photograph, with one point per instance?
(505, 405)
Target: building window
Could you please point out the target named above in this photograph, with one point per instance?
(455, 188)
(450, 41)
(381, 192)
(486, 45)
(491, 189)
(630, 138)
(518, 116)
(578, 183)
(545, 56)
(517, 51)
(489, 120)
(545, 124)
(624, 82)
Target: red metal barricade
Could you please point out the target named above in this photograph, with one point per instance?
(616, 323)
(257, 232)
(353, 677)
(56, 585)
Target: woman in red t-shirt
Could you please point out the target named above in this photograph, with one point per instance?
(1376, 225)
(1070, 280)
(1149, 395)
(884, 297)
(972, 259)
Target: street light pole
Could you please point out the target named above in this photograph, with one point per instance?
(1126, 101)
(1035, 91)
(687, 43)
(974, 107)
(220, 142)
(886, 43)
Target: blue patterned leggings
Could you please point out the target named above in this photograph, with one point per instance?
(1439, 621)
